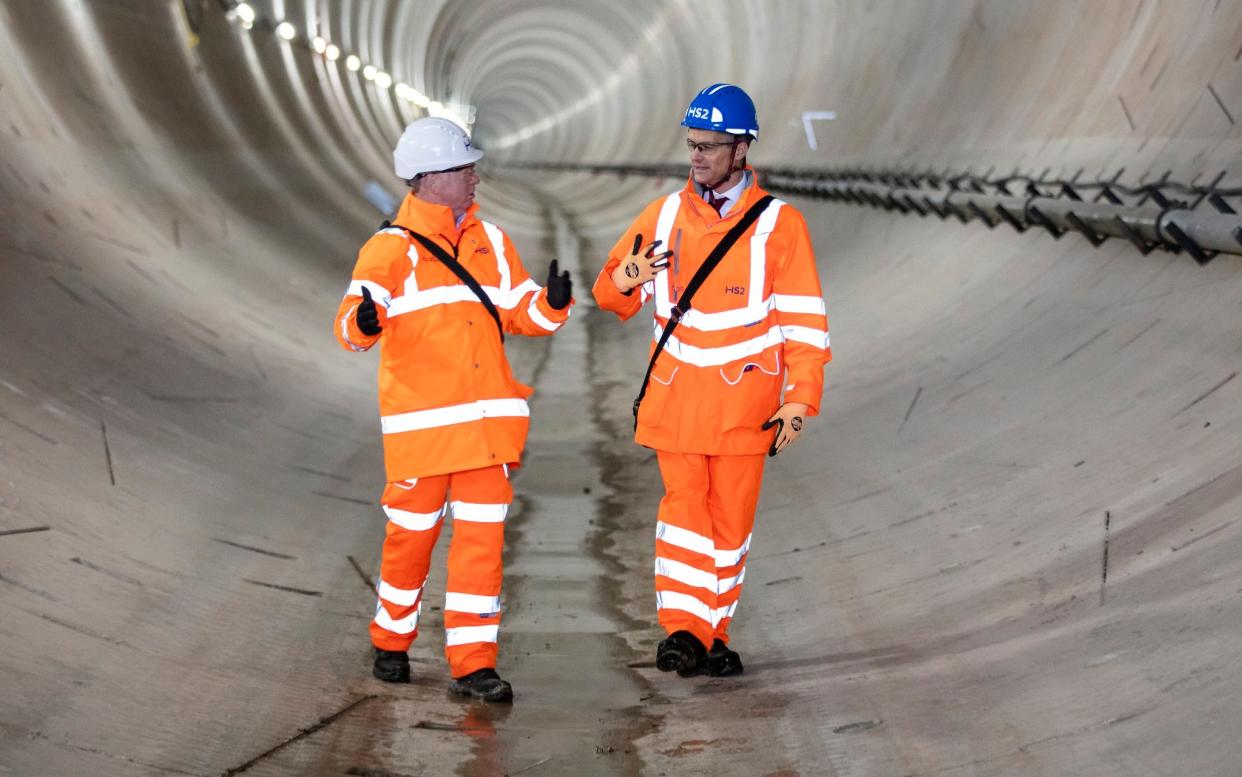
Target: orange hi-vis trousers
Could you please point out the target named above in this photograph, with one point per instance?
(415, 510)
(702, 538)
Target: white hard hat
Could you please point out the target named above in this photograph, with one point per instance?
(431, 144)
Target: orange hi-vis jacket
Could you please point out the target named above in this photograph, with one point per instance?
(448, 399)
(756, 328)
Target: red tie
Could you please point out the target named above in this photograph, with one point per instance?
(717, 201)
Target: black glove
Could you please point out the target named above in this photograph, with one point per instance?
(368, 320)
(780, 427)
(560, 288)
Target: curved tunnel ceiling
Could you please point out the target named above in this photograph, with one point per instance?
(1010, 545)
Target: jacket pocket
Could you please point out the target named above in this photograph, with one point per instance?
(750, 389)
(654, 407)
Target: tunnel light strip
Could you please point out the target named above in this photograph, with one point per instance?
(464, 115)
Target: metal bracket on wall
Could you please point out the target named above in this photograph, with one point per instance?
(1164, 214)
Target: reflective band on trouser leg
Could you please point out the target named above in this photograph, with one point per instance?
(480, 502)
(733, 495)
(414, 521)
(685, 564)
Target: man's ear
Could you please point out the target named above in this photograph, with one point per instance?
(739, 152)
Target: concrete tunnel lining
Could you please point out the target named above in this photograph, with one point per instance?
(189, 467)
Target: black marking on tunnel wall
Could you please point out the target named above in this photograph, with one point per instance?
(1074, 352)
(27, 530)
(175, 398)
(77, 629)
(1220, 103)
(365, 577)
(1126, 111)
(1207, 394)
(910, 409)
(1203, 536)
(103, 428)
(853, 728)
(350, 499)
(76, 297)
(320, 473)
(279, 587)
(784, 580)
(107, 572)
(431, 725)
(1108, 518)
(302, 734)
(867, 495)
(366, 771)
(1134, 339)
(36, 433)
(253, 549)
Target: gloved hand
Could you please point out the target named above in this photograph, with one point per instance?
(788, 423)
(367, 318)
(641, 266)
(560, 288)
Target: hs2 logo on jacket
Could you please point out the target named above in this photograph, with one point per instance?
(735, 289)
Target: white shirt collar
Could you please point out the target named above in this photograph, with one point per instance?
(732, 195)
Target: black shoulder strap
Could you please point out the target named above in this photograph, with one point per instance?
(461, 272)
(704, 270)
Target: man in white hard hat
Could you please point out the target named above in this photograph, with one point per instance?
(437, 288)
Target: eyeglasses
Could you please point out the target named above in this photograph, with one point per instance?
(703, 148)
(463, 168)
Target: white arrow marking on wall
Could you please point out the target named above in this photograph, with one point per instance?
(810, 116)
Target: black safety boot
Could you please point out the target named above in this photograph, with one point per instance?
(391, 666)
(682, 652)
(482, 684)
(722, 662)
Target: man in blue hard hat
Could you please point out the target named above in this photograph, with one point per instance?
(740, 343)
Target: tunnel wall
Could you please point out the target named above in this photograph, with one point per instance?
(196, 463)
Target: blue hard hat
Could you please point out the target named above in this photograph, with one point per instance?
(722, 108)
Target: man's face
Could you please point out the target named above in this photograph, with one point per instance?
(713, 156)
(454, 188)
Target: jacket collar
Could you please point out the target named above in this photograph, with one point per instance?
(750, 195)
(431, 219)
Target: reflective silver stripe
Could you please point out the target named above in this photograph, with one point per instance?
(684, 538)
(413, 521)
(726, 584)
(675, 600)
(394, 231)
(759, 251)
(480, 513)
(472, 603)
(539, 318)
(752, 314)
(497, 239)
(664, 228)
(515, 295)
(345, 329)
(402, 596)
(684, 573)
(454, 414)
(805, 334)
(465, 635)
(405, 625)
(714, 357)
(379, 294)
(726, 557)
(796, 303)
(693, 541)
(439, 295)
